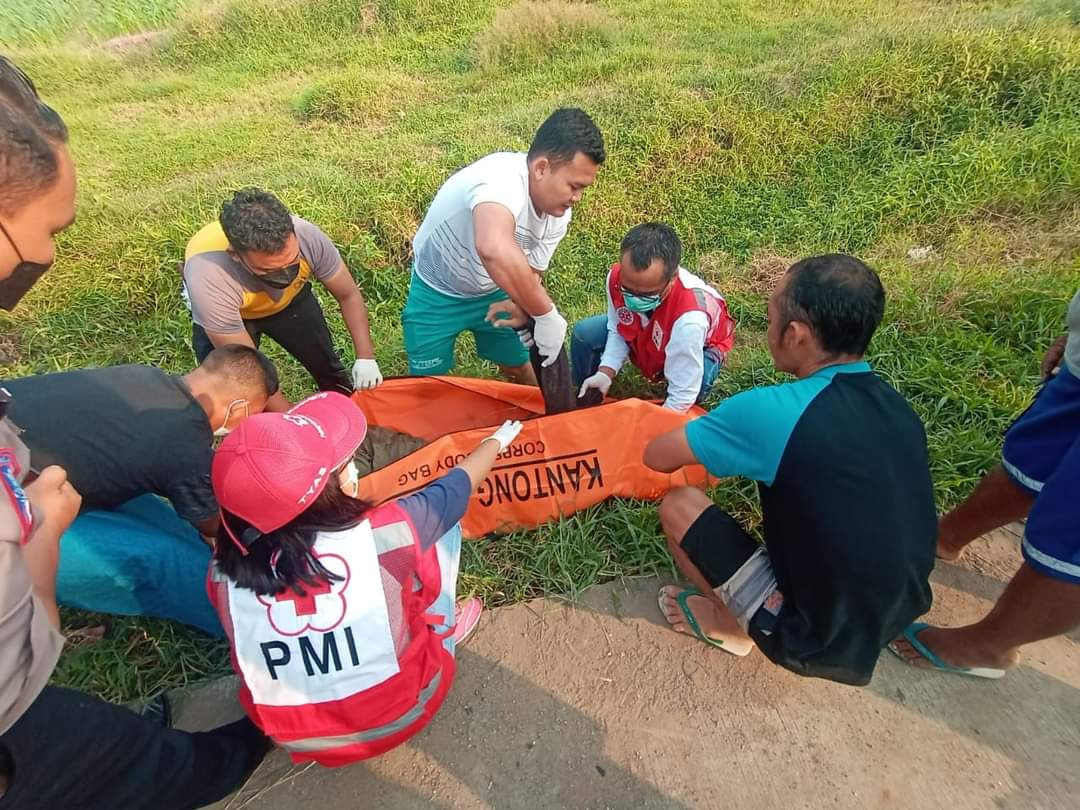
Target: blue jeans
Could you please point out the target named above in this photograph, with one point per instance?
(140, 559)
(587, 346)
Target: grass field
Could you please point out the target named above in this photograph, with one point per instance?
(762, 130)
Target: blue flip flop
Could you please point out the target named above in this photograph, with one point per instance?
(692, 623)
(911, 636)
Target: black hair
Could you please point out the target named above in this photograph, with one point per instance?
(295, 565)
(839, 296)
(248, 368)
(30, 132)
(653, 240)
(254, 219)
(566, 132)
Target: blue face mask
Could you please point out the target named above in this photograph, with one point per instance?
(641, 303)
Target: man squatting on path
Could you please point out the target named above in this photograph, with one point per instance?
(842, 468)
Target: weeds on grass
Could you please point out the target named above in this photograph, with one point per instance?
(532, 31)
(47, 21)
(140, 658)
(361, 95)
(761, 131)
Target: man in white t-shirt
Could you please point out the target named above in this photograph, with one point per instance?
(488, 236)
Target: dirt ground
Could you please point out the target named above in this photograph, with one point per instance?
(599, 705)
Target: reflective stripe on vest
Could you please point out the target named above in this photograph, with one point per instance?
(371, 735)
(393, 536)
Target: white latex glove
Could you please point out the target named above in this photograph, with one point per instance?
(600, 381)
(549, 333)
(506, 434)
(366, 374)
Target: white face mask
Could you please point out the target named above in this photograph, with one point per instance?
(224, 430)
(349, 478)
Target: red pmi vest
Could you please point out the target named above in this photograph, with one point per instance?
(648, 341)
(352, 668)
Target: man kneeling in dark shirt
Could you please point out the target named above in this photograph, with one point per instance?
(843, 473)
(126, 434)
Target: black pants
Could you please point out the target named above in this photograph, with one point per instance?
(77, 752)
(301, 330)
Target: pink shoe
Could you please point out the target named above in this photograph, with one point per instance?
(466, 617)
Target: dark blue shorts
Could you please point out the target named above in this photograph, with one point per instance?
(1052, 535)
(1043, 434)
(1042, 455)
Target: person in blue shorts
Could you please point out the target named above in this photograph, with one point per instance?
(843, 473)
(1039, 477)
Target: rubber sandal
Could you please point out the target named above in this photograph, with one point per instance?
(692, 623)
(910, 635)
(466, 617)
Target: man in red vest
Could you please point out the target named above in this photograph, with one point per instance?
(664, 319)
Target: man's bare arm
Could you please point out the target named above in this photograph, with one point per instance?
(504, 260)
(353, 310)
(669, 452)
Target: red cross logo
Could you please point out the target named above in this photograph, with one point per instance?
(321, 607)
(304, 605)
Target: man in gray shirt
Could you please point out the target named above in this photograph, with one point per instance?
(248, 274)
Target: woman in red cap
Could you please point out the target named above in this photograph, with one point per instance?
(341, 615)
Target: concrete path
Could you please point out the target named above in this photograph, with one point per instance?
(599, 705)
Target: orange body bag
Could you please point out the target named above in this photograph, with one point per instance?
(557, 465)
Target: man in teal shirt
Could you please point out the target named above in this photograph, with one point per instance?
(842, 469)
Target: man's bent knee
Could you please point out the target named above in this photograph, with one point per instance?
(679, 509)
(580, 332)
(591, 331)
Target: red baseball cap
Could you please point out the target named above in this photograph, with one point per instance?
(273, 466)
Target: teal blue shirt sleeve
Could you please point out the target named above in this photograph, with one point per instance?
(745, 435)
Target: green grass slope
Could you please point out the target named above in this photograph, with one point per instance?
(763, 131)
